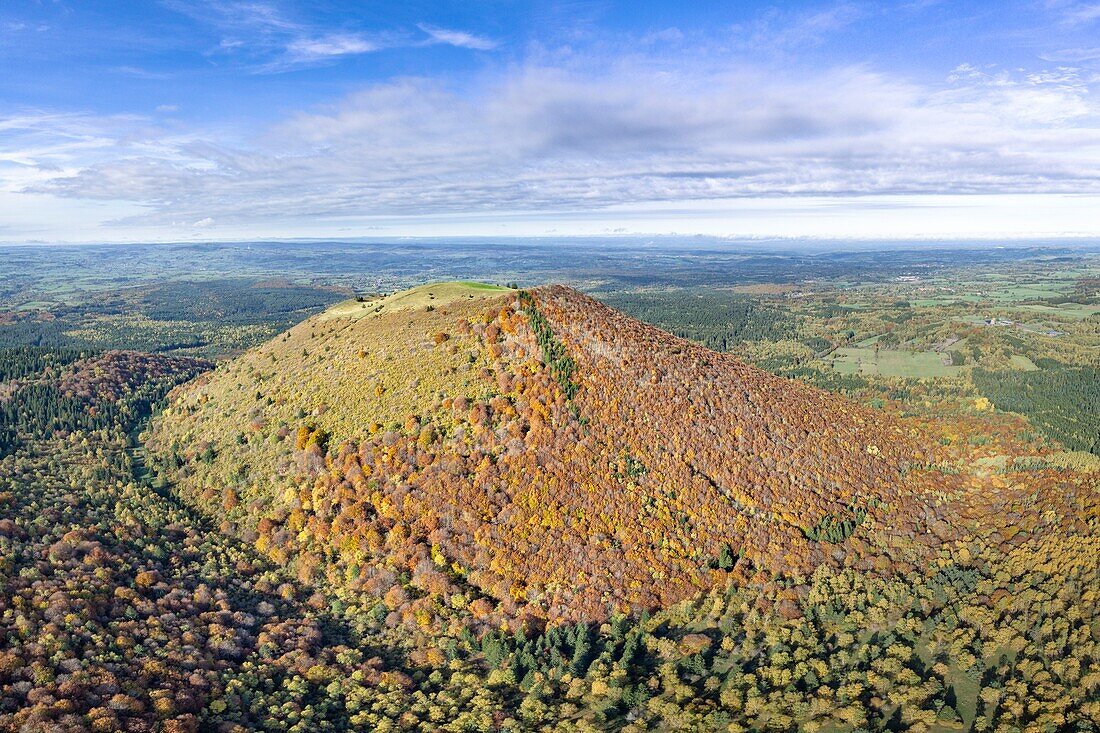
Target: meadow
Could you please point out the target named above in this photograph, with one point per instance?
(891, 363)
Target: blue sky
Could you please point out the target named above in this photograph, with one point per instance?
(205, 119)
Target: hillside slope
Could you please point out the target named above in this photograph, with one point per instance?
(538, 456)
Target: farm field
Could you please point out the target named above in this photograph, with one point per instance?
(891, 363)
(1064, 310)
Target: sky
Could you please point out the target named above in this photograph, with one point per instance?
(188, 120)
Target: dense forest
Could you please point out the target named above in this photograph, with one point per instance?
(88, 394)
(715, 319)
(1062, 400)
(19, 363)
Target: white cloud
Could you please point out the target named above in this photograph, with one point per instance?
(1047, 97)
(580, 142)
(1073, 55)
(328, 46)
(261, 37)
(1082, 13)
(141, 73)
(247, 16)
(1074, 14)
(778, 30)
(460, 39)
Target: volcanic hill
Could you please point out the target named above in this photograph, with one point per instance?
(536, 455)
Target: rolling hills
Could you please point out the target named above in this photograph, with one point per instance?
(535, 457)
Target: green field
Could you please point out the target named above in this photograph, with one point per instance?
(1019, 361)
(891, 363)
(1065, 310)
(998, 289)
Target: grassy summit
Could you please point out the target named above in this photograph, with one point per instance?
(434, 295)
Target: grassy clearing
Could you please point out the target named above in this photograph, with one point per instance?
(889, 363)
(966, 695)
(434, 294)
(1019, 361)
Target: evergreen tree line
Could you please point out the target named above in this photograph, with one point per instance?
(1062, 402)
(554, 355)
(26, 361)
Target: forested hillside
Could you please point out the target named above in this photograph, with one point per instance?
(547, 459)
(467, 508)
